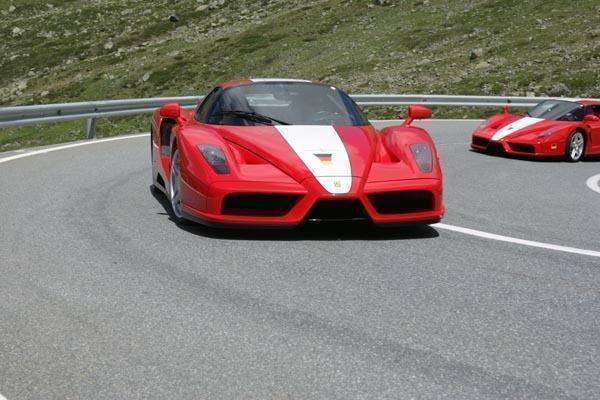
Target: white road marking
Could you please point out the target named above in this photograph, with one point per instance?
(2, 397)
(69, 146)
(522, 242)
(466, 231)
(593, 183)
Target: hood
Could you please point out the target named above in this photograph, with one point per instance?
(523, 126)
(305, 151)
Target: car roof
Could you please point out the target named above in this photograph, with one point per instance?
(585, 102)
(241, 82)
(589, 102)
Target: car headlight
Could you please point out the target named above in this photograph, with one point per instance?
(215, 157)
(546, 133)
(422, 155)
(483, 125)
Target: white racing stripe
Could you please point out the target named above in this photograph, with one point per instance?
(593, 183)
(522, 242)
(322, 151)
(514, 127)
(69, 146)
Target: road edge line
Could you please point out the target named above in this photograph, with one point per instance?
(69, 146)
(513, 240)
(593, 183)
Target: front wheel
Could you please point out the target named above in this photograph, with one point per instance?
(575, 147)
(175, 188)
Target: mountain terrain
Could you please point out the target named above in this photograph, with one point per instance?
(70, 50)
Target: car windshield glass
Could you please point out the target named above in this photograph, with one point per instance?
(284, 103)
(558, 110)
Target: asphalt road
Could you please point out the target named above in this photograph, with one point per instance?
(103, 297)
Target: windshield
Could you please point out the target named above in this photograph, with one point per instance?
(558, 110)
(283, 103)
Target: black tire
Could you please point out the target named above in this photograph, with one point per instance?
(152, 157)
(575, 147)
(174, 190)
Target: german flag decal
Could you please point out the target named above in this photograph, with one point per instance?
(325, 158)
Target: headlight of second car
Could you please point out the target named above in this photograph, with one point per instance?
(546, 133)
(215, 157)
(423, 156)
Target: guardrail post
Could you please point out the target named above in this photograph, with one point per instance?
(90, 128)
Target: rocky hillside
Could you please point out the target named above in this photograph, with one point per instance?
(68, 50)
(65, 50)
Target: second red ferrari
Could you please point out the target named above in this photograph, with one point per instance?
(553, 128)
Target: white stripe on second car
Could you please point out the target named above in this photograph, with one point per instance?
(322, 151)
(515, 126)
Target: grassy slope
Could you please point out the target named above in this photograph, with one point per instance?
(64, 53)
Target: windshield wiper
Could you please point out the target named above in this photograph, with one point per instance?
(252, 116)
(527, 114)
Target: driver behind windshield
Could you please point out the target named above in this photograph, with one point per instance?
(558, 110)
(283, 104)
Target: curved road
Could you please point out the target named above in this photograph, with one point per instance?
(103, 297)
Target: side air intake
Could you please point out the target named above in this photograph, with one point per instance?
(258, 204)
(403, 202)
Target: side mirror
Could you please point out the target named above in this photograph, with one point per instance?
(170, 110)
(416, 112)
(591, 118)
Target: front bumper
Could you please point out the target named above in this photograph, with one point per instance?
(539, 148)
(313, 203)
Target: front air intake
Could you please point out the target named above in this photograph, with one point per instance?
(404, 202)
(479, 141)
(495, 148)
(337, 210)
(258, 204)
(522, 147)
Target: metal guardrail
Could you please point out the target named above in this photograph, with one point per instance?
(38, 114)
(91, 110)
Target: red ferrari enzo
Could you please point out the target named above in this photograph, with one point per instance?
(274, 153)
(570, 129)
